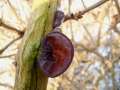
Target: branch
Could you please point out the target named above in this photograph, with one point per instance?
(12, 28)
(89, 34)
(10, 43)
(92, 50)
(7, 56)
(29, 76)
(116, 60)
(14, 10)
(6, 85)
(115, 20)
(117, 6)
(83, 4)
(78, 15)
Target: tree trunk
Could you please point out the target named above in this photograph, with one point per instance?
(28, 75)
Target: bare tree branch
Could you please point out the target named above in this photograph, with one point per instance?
(92, 50)
(89, 34)
(14, 10)
(78, 15)
(6, 85)
(115, 20)
(117, 6)
(10, 43)
(7, 56)
(83, 4)
(70, 23)
(12, 28)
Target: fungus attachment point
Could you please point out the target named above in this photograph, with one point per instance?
(59, 16)
(56, 55)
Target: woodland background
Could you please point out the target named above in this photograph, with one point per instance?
(95, 36)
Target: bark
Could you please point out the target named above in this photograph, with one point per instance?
(28, 75)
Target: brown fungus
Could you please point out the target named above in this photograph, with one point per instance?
(56, 54)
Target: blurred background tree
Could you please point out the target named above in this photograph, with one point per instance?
(94, 31)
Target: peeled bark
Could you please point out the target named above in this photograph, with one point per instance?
(28, 75)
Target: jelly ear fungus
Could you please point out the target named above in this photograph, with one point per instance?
(56, 54)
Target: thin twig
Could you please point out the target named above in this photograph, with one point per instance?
(12, 28)
(115, 20)
(10, 43)
(89, 34)
(70, 22)
(6, 85)
(116, 60)
(4, 24)
(83, 4)
(14, 10)
(99, 37)
(94, 6)
(7, 56)
(117, 6)
(78, 15)
(92, 50)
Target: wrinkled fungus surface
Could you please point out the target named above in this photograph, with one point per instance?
(57, 54)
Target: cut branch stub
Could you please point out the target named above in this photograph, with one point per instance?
(57, 54)
(59, 16)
